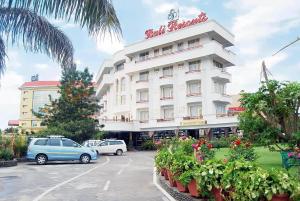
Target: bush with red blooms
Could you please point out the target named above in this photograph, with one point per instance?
(240, 149)
(203, 150)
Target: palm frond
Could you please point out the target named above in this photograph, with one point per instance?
(36, 34)
(98, 16)
(2, 56)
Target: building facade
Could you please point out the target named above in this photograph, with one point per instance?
(35, 95)
(173, 81)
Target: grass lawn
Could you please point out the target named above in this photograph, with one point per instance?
(267, 159)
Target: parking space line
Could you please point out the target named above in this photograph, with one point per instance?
(122, 169)
(106, 186)
(69, 180)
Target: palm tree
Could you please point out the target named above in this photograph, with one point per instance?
(24, 21)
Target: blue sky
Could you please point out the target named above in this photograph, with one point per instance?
(260, 27)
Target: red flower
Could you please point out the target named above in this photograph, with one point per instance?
(238, 142)
(209, 146)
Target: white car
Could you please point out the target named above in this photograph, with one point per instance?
(117, 147)
(91, 143)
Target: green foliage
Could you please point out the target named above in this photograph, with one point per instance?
(148, 145)
(242, 150)
(272, 112)
(210, 175)
(20, 146)
(6, 154)
(162, 158)
(72, 114)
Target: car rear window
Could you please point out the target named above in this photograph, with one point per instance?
(115, 142)
(41, 142)
(54, 142)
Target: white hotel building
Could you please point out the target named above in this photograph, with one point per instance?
(174, 82)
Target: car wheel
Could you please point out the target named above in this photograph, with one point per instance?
(41, 159)
(85, 158)
(119, 152)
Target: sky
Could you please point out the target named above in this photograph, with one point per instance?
(261, 27)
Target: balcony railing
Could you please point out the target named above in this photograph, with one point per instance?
(165, 76)
(191, 117)
(166, 54)
(142, 101)
(193, 71)
(193, 94)
(138, 81)
(164, 120)
(166, 98)
(144, 121)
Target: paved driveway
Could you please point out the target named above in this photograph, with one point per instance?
(110, 178)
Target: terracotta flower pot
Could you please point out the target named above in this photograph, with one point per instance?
(281, 197)
(166, 175)
(162, 172)
(192, 186)
(217, 194)
(181, 187)
(171, 179)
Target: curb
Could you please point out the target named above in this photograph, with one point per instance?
(10, 163)
(170, 198)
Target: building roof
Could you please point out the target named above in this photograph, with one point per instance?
(13, 123)
(41, 84)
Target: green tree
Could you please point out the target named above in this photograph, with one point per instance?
(272, 113)
(72, 114)
(24, 21)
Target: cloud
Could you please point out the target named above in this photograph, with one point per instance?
(109, 43)
(41, 66)
(10, 97)
(256, 23)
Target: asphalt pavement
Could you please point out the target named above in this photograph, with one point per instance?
(110, 178)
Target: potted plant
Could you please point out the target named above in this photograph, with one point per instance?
(282, 186)
(161, 159)
(242, 150)
(232, 174)
(209, 178)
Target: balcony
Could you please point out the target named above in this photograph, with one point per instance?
(166, 101)
(221, 98)
(142, 84)
(113, 125)
(221, 74)
(164, 120)
(212, 48)
(104, 84)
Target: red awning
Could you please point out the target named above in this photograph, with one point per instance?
(13, 123)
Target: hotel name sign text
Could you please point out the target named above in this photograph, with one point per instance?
(174, 25)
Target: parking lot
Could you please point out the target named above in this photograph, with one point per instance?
(110, 178)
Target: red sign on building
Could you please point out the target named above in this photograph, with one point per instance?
(174, 25)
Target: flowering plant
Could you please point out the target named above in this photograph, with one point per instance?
(295, 154)
(242, 150)
(203, 150)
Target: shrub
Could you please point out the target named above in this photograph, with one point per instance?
(148, 145)
(242, 150)
(20, 146)
(6, 154)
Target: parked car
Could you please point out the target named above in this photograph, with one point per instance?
(91, 143)
(117, 147)
(58, 149)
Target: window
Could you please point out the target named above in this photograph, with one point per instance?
(167, 50)
(217, 64)
(68, 143)
(25, 92)
(156, 52)
(143, 115)
(41, 142)
(24, 99)
(195, 109)
(142, 95)
(193, 43)
(24, 113)
(180, 46)
(115, 142)
(220, 88)
(144, 56)
(194, 66)
(180, 65)
(220, 109)
(144, 76)
(168, 71)
(34, 123)
(123, 100)
(167, 92)
(194, 87)
(24, 106)
(119, 66)
(123, 84)
(104, 144)
(42, 98)
(168, 113)
(54, 142)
